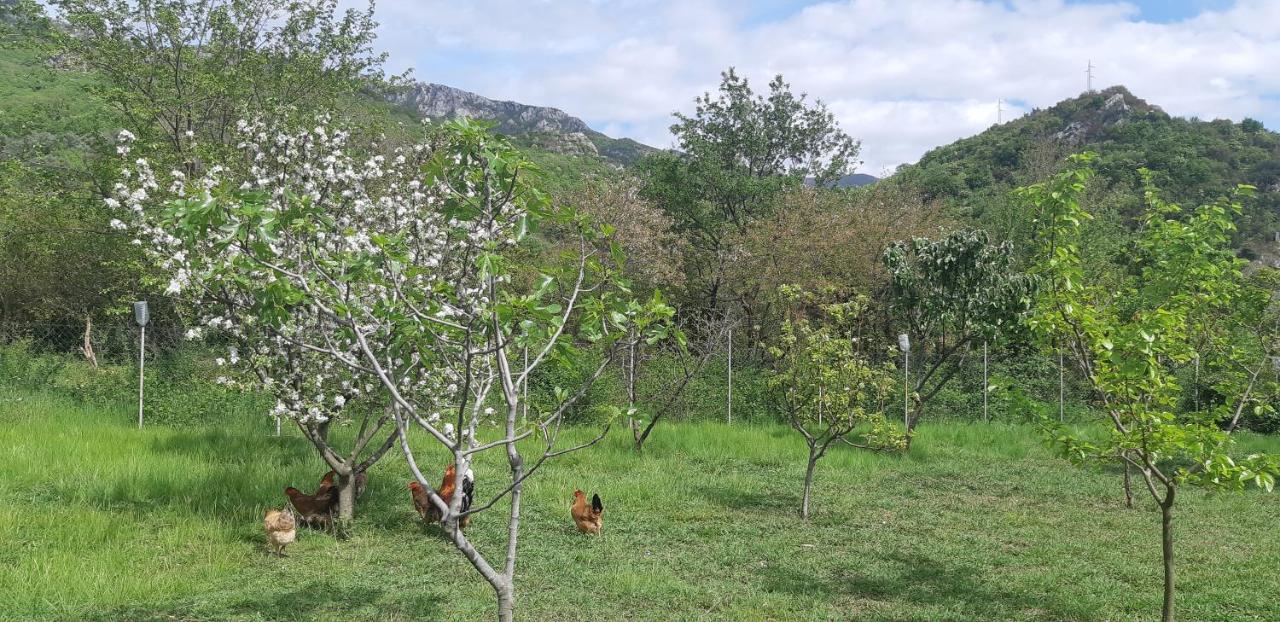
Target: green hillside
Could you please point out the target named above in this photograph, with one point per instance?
(1193, 160)
(58, 162)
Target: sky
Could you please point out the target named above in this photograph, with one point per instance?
(902, 76)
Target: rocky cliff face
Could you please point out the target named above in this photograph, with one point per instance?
(547, 128)
(554, 129)
(440, 101)
(1119, 106)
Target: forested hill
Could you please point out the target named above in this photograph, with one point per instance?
(1193, 160)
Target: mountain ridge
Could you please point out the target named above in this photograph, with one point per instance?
(544, 127)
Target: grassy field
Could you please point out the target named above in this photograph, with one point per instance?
(99, 521)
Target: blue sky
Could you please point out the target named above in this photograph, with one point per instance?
(1172, 10)
(902, 75)
(1148, 10)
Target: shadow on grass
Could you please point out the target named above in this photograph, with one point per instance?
(753, 500)
(229, 447)
(314, 600)
(302, 601)
(228, 476)
(906, 577)
(277, 462)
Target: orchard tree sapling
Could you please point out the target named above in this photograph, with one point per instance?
(826, 385)
(687, 354)
(1127, 338)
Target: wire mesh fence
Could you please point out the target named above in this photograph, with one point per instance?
(1000, 386)
(729, 385)
(113, 340)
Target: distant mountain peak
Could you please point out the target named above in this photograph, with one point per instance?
(852, 180)
(1193, 160)
(1097, 111)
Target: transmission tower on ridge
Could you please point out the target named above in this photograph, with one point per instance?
(1088, 72)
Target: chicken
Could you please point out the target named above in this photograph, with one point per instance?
(361, 481)
(428, 510)
(281, 530)
(315, 510)
(589, 519)
(421, 500)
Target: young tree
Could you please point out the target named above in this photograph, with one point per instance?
(683, 358)
(654, 254)
(162, 68)
(826, 385)
(1127, 338)
(948, 295)
(388, 276)
(738, 150)
(183, 72)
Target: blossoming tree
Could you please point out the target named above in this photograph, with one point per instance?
(385, 279)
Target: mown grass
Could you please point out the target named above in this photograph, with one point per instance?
(99, 521)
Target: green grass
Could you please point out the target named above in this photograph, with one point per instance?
(99, 521)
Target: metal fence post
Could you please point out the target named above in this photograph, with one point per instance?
(142, 362)
(820, 397)
(141, 315)
(904, 344)
(524, 405)
(730, 376)
(1062, 416)
(986, 384)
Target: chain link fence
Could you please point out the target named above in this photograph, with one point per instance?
(729, 385)
(114, 340)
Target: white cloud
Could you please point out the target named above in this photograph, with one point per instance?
(903, 76)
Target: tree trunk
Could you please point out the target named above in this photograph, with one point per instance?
(346, 499)
(1128, 487)
(506, 602)
(808, 485)
(1166, 532)
(913, 420)
(641, 436)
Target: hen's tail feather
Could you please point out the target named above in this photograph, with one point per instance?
(596, 505)
(468, 490)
